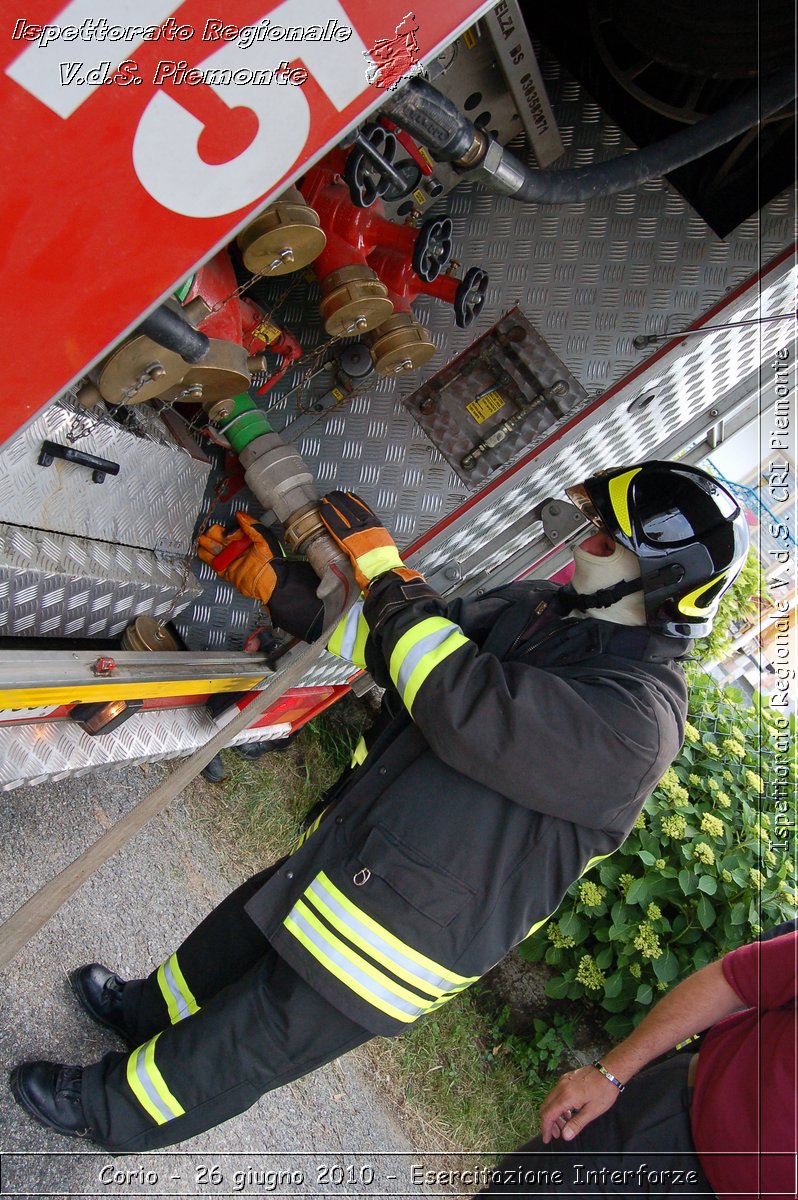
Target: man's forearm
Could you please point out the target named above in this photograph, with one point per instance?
(694, 1004)
(582, 1095)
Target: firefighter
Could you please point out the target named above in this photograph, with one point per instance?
(522, 731)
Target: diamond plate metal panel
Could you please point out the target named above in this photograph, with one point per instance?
(589, 276)
(33, 754)
(152, 503)
(52, 585)
(678, 387)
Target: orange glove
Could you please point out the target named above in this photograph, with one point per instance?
(358, 531)
(244, 557)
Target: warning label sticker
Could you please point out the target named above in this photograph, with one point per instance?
(485, 406)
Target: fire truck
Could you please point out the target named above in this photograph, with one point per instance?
(452, 259)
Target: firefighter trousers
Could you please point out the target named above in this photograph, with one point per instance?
(221, 1022)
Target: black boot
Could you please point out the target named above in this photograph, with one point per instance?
(50, 1093)
(99, 993)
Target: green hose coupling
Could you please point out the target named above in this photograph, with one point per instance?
(243, 422)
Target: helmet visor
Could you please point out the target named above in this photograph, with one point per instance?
(694, 511)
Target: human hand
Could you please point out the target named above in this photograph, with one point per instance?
(243, 557)
(361, 535)
(577, 1099)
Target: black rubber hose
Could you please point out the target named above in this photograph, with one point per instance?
(169, 329)
(628, 171)
(432, 119)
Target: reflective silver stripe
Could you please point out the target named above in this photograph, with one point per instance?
(348, 921)
(414, 656)
(350, 631)
(174, 989)
(148, 1087)
(366, 983)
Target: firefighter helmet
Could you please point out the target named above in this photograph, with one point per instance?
(687, 530)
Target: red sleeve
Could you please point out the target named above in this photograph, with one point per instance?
(763, 974)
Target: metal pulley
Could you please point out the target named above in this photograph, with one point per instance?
(432, 250)
(284, 238)
(400, 344)
(353, 300)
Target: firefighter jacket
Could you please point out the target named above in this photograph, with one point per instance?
(521, 748)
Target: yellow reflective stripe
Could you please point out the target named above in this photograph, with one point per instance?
(374, 951)
(422, 960)
(178, 995)
(338, 970)
(689, 603)
(149, 1086)
(419, 651)
(348, 639)
(360, 753)
(303, 837)
(377, 562)
(619, 498)
(591, 862)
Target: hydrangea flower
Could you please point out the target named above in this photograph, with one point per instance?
(704, 854)
(591, 894)
(757, 879)
(653, 912)
(588, 974)
(712, 825)
(691, 734)
(647, 941)
(674, 826)
(558, 939)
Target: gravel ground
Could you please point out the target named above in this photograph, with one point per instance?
(331, 1133)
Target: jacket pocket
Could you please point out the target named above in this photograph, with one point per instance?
(423, 884)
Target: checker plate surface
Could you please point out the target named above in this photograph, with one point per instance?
(152, 503)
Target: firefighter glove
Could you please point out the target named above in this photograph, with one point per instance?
(358, 531)
(244, 558)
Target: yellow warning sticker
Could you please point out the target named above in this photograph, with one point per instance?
(267, 332)
(419, 196)
(469, 39)
(485, 406)
(339, 395)
(425, 156)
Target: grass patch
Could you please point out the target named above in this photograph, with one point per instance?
(255, 816)
(458, 1091)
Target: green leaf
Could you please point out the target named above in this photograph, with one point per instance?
(708, 884)
(616, 1005)
(644, 994)
(557, 987)
(666, 967)
(647, 857)
(574, 926)
(619, 933)
(618, 1026)
(705, 912)
(613, 985)
(604, 958)
(639, 892)
(687, 882)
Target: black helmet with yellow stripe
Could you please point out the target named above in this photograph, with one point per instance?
(687, 530)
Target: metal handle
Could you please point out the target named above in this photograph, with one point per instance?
(99, 467)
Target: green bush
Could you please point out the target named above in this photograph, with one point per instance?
(704, 870)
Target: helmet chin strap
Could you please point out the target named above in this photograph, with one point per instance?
(604, 597)
(603, 582)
